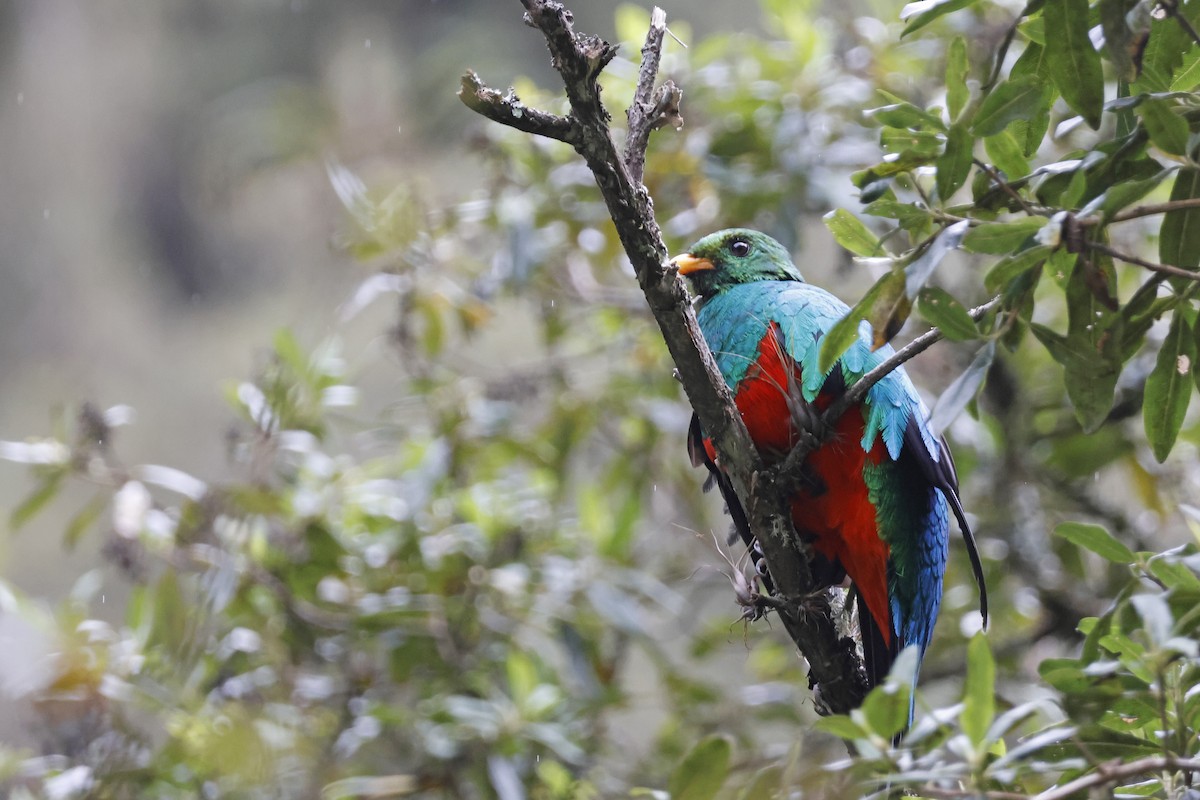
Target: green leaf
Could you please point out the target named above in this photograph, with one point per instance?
(1091, 352)
(923, 12)
(46, 490)
(886, 708)
(1000, 238)
(1017, 98)
(850, 232)
(957, 70)
(914, 144)
(1096, 742)
(954, 164)
(883, 303)
(1030, 131)
(841, 726)
(1179, 237)
(910, 217)
(702, 772)
(764, 785)
(1163, 53)
(1097, 539)
(1169, 387)
(1168, 130)
(843, 333)
(889, 308)
(1187, 78)
(1007, 154)
(1157, 620)
(919, 270)
(1090, 379)
(905, 115)
(979, 693)
(942, 310)
(956, 396)
(1128, 192)
(1009, 268)
(1117, 36)
(85, 518)
(1073, 62)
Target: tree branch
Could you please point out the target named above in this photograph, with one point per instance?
(835, 670)
(507, 109)
(1106, 773)
(1165, 269)
(1004, 185)
(650, 109)
(1156, 208)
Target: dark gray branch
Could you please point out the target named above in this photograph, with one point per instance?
(507, 109)
(650, 109)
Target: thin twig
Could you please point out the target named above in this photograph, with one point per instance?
(650, 109)
(507, 109)
(1156, 208)
(1166, 269)
(1172, 9)
(1003, 184)
(1001, 53)
(965, 793)
(1116, 772)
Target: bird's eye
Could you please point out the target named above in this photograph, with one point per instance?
(739, 247)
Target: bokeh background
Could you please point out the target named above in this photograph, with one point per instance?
(166, 205)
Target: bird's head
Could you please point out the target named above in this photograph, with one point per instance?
(734, 256)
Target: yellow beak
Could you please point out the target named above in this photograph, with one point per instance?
(688, 263)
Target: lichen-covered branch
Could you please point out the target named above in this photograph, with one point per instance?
(651, 109)
(507, 109)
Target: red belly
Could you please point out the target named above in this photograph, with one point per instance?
(836, 510)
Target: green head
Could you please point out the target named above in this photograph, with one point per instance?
(734, 256)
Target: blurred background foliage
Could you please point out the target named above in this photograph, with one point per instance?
(451, 545)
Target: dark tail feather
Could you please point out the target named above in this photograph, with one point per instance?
(972, 551)
(699, 455)
(942, 473)
(877, 655)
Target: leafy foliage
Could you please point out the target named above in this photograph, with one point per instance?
(475, 590)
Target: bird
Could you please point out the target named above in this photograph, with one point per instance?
(874, 499)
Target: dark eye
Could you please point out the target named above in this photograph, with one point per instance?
(739, 247)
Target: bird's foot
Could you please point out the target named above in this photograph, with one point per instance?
(756, 605)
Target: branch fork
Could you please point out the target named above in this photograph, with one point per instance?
(836, 673)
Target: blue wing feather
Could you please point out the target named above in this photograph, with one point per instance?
(804, 314)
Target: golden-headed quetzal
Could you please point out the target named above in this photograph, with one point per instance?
(875, 499)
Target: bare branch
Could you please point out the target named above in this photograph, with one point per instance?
(650, 109)
(966, 793)
(1156, 208)
(507, 109)
(1111, 773)
(1165, 269)
(662, 110)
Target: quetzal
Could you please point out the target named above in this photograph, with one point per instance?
(875, 499)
